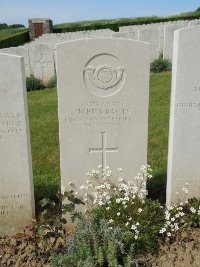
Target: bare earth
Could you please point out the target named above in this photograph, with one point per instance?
(183, 252)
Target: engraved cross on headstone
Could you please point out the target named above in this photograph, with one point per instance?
(103, 150)
(43, 63)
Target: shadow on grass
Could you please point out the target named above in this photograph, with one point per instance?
(157, 187)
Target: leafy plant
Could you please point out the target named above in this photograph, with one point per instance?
(96, 244)
(160, 65)
(51, 225)
(33, 84)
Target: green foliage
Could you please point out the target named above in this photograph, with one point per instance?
(13, 37)
(161, 65)
(13, 26)
(198, 9)
(114, 24)
(192, 209)
(52, 83)
(3, 26)
(51, 225)
(33, 84)
(96, 244)
(150, 220)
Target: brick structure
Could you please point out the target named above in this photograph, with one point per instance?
(39, 26)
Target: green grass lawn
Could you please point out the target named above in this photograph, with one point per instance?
(9, 32)
(45, 143)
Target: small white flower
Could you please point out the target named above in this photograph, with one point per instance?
(133, 227)
(169, 234)
(118, 214)
(107, 208)
(162, 230)
(193, 210)
(136, 237)
(111, 221)
(139, 210)
(119, 169)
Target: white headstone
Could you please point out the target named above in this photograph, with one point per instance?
(20, 51)
(103, 89)
(169, 39)
(152, 36)
(184, 134)
(16, 185)
(42, 61)
(132, 34)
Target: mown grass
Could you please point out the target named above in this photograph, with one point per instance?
(9, 32)
(45, 141)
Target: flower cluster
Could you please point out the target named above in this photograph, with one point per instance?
(116, 196)
(172, 219)
(101, 186)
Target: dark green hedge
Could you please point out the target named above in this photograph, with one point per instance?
(15, 40)
(115, 24)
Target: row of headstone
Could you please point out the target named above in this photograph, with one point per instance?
(99, 122)
(40, 57)
(103, 89)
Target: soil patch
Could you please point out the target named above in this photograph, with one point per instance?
(183, 252)
(20, 251)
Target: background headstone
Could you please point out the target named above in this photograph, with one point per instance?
(42, 61)
(20, 51)
(169, 38)
(16, 185)
(103, 106)
(184, 134)
(151, 35)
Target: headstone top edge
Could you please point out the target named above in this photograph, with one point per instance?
(103, 38)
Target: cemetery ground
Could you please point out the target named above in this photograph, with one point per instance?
(182, 250)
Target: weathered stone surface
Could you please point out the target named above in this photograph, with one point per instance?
(152, 36)
(42, 61)
(132, 34)
(103, 106)
(16, 186)
(184, 141)
(20, 51)
(169, 38)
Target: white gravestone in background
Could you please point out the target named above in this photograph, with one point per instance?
(169, 38)
(152, 36)
(184, 134)
(42, 61)
(103, 106)
(16, 185)
(126, 35)
(22, 51)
